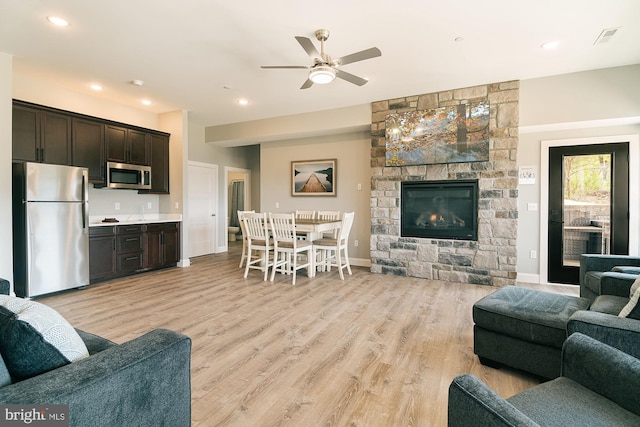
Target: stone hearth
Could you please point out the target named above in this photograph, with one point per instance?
(491, 260)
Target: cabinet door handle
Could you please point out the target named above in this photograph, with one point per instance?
(131, 258)
(131, 239)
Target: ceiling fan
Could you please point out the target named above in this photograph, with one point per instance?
(324, 69)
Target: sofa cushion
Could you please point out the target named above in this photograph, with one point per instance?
(5, 378)
(634, 287)
(563, 402)
(609, 282)
(527, 314)
(609, 304)
(632, 309)
(629, 269)
(35, 338)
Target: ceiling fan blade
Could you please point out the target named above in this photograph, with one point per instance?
(307, 84)
(358, 56)
(350, 78)
(308, 47)
(284, 66)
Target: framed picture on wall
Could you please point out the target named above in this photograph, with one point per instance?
(313, 178)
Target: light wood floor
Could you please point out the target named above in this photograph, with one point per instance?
(374, 350)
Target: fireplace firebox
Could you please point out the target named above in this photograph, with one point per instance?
(439, 209)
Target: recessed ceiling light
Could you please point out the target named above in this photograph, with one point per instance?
(60, 22)
(458, 39)
(146, 102)
(243, 101)
(137, 82)
(96, 86)
(550, 45)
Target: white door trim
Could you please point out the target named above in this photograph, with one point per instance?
(247, 194)
(634, 190)
(213, 167)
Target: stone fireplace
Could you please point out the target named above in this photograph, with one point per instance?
(445, 246)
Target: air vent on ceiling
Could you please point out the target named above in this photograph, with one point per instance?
(606, 35)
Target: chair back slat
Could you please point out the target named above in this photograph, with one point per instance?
(305, 214)
(241, 221)
(283, 227)
(256, 226)
(347, 222)
(330, 215)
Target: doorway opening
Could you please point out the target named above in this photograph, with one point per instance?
(588, 189)
(237, 198)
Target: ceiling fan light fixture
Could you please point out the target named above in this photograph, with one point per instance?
(322, 74)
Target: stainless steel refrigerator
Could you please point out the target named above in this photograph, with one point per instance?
(50, 228)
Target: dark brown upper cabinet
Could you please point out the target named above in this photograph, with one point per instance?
(126, 145)
(49, 135)
(159, 164)
(88, 148)
(40, 136)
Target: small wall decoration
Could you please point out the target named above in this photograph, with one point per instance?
(453, 134)
(313, 178)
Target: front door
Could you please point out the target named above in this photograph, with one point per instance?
(588, 205)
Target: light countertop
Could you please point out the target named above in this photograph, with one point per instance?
(96, 220)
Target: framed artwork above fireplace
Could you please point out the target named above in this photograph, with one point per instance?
(451, 134)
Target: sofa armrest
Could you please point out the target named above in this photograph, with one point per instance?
(603, 369)
(473, 402)
(619, 332)
(595, 262)
(145, 381)
(5, 286)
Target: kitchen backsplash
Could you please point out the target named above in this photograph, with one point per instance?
(116, 202)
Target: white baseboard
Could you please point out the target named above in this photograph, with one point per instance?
(185, 262)
(360, 262)
(528, 278)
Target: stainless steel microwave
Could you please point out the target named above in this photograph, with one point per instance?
(124, 175)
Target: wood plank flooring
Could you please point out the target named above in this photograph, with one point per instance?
(374, 350)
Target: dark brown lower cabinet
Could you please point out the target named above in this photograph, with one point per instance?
(162, 244)
(122, 250)
(129, 249)
(102, 253)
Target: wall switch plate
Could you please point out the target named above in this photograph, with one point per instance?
(532, 206)
(533, 254)
(355, 243)
(359, 187)
(117, 206)
(177, 205)
(150, 205)
(277, 205)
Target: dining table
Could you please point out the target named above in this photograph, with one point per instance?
(315, 227)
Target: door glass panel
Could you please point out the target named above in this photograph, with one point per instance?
(586, 206)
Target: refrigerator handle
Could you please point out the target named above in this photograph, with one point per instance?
(85, 201)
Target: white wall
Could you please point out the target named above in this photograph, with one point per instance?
(6, 247)
(243, 157)
(352, 151)
(578, 105)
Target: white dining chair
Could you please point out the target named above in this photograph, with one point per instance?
(244, 236)
(304, 215)
(329, 215)
(259, 243)
(334, 252)
(333, 234)
(287, 247)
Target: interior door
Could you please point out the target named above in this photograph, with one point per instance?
(588, 206)
(203, 209)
